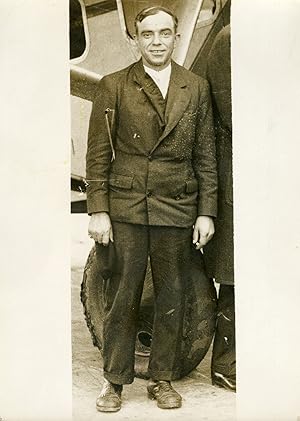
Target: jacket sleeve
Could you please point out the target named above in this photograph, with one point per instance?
(204, 156)
(99, 150)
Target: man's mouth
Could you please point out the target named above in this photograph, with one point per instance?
(159, 52)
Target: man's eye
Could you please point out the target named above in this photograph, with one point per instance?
(147, 35)
(166, 34)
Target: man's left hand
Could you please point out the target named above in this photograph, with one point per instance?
(204, 230)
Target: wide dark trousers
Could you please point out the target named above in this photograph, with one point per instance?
(223, 357)
(169, 249)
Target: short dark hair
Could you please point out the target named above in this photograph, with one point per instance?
(150, 11)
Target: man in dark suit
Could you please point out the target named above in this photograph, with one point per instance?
(152, 178)
(218, 254)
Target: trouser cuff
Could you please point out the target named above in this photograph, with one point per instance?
(164, 375)
(118, 378)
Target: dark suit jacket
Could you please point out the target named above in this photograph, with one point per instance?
(218, 253)
(164, 172)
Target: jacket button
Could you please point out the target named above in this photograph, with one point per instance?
(149, 193)
(178, 197)
(150, 157)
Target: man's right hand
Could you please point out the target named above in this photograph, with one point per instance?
(100, 228)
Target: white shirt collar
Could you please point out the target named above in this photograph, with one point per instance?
(160, 77)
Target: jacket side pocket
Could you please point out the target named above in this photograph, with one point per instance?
(120, 181)
(191, 186)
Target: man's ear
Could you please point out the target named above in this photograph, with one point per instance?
(177, 39)
(135, 39)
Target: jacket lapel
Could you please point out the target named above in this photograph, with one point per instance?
(178, 99)
(147, 85)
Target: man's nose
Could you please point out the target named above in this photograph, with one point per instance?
(156, 39)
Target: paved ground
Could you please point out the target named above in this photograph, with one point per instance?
(201, 400)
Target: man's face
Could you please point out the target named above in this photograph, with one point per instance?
(156, 40)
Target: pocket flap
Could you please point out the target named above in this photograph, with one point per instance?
(120, 181)
(191, 186)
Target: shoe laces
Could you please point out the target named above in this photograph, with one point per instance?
(164, 387)
(111, 389)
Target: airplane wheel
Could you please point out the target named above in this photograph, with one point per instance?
(199, 317)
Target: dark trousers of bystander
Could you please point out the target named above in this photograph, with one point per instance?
(223, 367)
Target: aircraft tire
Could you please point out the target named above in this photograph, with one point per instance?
(199, 318)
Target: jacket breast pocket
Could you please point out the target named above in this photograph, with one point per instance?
(119, 182)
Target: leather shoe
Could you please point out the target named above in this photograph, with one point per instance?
(109, 399)
(166, 397)
(224, 381)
